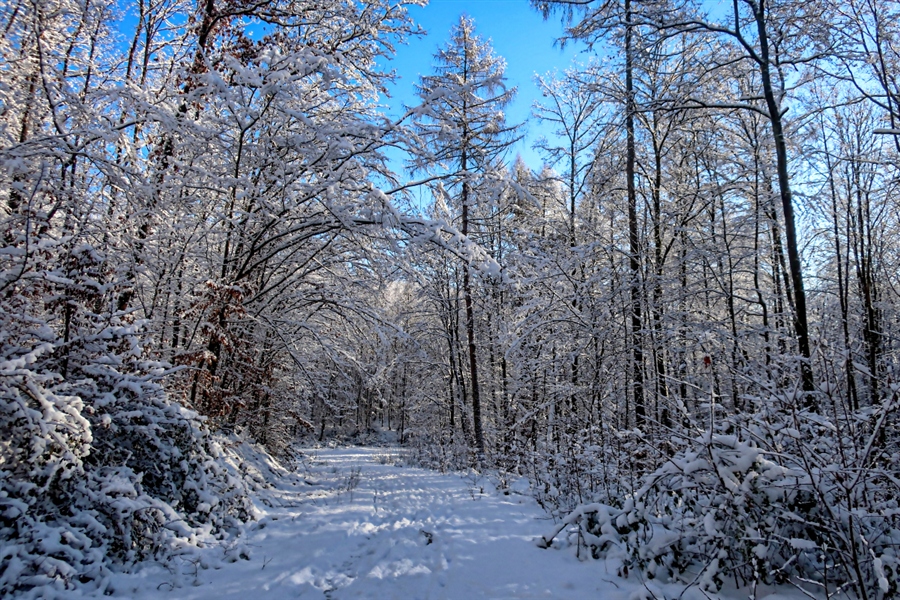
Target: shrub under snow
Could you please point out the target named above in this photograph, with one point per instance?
(780, 496)
(117, 476)
(97, 466)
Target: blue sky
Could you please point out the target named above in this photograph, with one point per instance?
(517, 32)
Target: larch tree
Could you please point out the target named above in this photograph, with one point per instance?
(463, 131)
(572, 106)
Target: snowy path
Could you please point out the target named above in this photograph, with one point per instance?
(372, 530)
(353, 525)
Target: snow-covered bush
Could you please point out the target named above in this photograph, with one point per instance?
(781, 495)
(441, 450)
(97, 465)
(597, 463)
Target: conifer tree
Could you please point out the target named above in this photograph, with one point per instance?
(463, 131)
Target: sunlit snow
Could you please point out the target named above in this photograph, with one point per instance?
(355, 523)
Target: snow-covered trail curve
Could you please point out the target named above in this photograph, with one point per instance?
(365, 528)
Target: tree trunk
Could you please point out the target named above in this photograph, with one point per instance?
(640, 411)
(470, 329)
(801, 325)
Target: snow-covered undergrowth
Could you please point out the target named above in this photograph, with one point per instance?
(352, 522)
(99, 469)
(782, 496)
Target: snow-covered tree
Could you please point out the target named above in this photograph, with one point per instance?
(463, 131)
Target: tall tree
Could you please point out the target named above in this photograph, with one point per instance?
(769, 38)
(463, 130)
(573, 107)
(592, 22)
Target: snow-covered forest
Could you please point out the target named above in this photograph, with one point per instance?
(681, 330)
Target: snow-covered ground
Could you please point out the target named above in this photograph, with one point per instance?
(354, 524)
